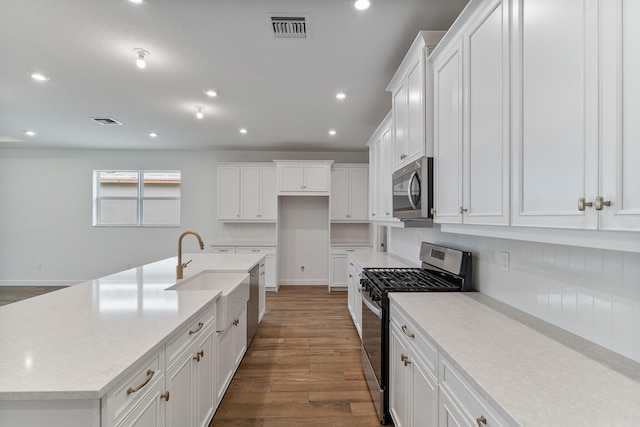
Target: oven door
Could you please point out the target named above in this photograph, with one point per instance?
(372, 351)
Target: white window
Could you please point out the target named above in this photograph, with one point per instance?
(136, 198)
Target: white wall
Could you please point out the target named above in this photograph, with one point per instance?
(46, 211)
(593, 293)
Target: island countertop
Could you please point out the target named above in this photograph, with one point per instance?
(537, 373)
(75, 343)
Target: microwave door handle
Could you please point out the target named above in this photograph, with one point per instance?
(414, 175)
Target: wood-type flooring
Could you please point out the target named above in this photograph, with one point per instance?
(303, 367)
(9, 294)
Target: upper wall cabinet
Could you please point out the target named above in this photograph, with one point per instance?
(380, 170)
(349, 191)
(471, 120)
(410, 90)
(555, 113)
(305, 178)
(246, 192)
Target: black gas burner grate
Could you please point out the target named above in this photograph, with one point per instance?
(411, 280)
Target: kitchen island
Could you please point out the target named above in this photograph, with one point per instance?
(64, 352)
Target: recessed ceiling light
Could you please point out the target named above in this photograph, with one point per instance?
(341, 95)
(211, 93)
(332, 132)
(362, 4)
(137, 1)
(39, 77)
(141, 62)
(153, 134)
(29, 132)
(199, 113)
(243, 131)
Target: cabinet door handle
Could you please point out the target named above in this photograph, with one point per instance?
(165, 396)
(481, 420)
(582, 204)
(601, 203)
(405, 360)
(198, 355)
(236, 322)
(409, 334)
(462, 210)
(200, 325)
(150, 374)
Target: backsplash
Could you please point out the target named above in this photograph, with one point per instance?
(593, 293)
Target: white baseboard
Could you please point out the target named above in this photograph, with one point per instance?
(320, 282)
(39, 282)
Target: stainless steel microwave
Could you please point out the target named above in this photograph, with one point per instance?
(413, 190)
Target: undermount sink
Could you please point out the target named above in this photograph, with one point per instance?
(234, 288)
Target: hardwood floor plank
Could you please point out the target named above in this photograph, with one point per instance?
(302, 368)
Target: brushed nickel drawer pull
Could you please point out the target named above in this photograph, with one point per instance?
(601, 203)
(481, 420)
(150, 374)
(409, 334)
(165, 396)
(200, 325)
(582, 204)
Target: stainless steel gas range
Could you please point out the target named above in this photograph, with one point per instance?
(443, 270)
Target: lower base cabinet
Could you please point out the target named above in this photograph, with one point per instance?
(150, 412)
(232, 345)
(354, 291)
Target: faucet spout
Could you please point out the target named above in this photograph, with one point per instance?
(181, 266)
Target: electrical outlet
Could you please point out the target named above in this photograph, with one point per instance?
(302, 268)
(504, 261)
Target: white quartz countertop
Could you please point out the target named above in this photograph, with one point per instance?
(539, 374)
(75, 343)
(378, 260)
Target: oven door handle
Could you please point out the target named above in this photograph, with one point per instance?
(371, 305)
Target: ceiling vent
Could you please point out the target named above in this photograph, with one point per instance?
(105, 121)
(289, 26)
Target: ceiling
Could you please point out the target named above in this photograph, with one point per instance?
(282, 90)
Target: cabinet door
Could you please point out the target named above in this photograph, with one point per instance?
(178, 383)
(554, 112)
(620, 93)
(270, 272)
(338, 270)
(415, 112)
(340, 194)
(268, 193)
(486, 119)
(262, 297)
(358, 190)
(399, 380)
(250, 193)
(425, 397)
(150, 412)
(399, 114)
(203, 381)
(228, 192)
(448, 413)
(224, 366)
(386, 171)
(239, 339)
(375, 179)
(448, 136)
(291, 177)
(316, 177)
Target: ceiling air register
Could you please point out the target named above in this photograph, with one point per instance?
(289, 26)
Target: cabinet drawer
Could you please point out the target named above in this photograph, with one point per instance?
(224, 250)
(467, 397)
(423, 346)
(135, 386)
(255, 250)
(189, 334)
(349, 250)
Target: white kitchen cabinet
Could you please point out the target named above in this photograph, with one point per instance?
(354, 299)
(413, 390)
(339, 271)
(309, 177)
(554, 112)
(247, 192)
(179, 384)
(150, 411)
(223, 249)
(471, 115)
(258, 198)
(410, 94)
(228, 193)
(232, 345)
(380, 170)
(349, 192)
(620, 104)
